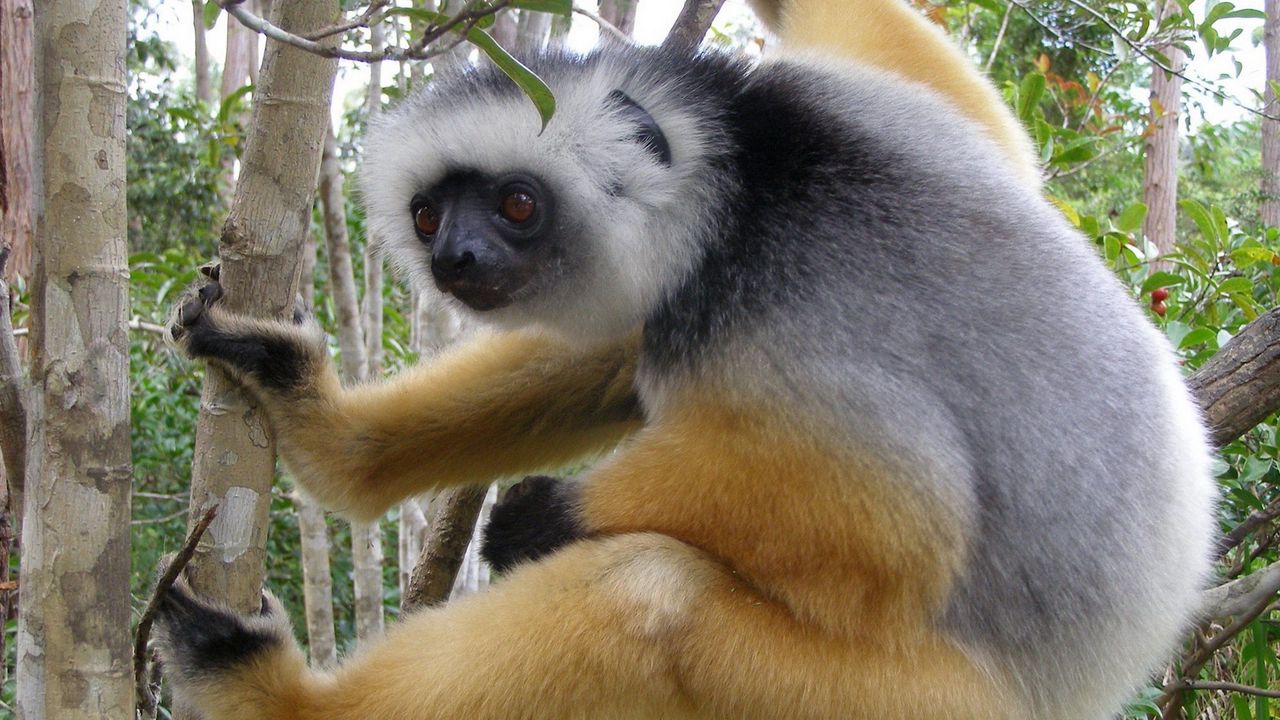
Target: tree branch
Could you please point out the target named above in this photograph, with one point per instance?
(13, 409)
(451, 530)
(1239, 386)
(692, 24)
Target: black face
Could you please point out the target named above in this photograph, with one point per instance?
(487, 235)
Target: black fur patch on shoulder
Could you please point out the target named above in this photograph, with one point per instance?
(536, 517)
(200, 638)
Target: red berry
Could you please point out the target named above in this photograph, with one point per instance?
(1159, 295)
(1158, 308)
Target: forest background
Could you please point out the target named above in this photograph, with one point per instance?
(1160, 137)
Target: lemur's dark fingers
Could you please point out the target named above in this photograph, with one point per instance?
(191, 311)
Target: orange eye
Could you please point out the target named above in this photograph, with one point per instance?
(426, 220)
(518, 207)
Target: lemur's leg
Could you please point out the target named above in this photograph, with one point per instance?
(502, 405)
(633, 626)
(534, 518)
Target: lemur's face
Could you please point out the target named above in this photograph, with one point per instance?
(487, 238)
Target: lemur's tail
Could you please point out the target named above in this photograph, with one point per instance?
(892, 36)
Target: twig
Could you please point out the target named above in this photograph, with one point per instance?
(605, 25)
(145, 695)
(1248, 526)
(134, 324)
(1227, 687)
(995, 46)
(461, 23)
(359, 21)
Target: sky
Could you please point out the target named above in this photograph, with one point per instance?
(654, 18)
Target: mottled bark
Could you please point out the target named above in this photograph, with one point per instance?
(74, 650)
(366, 566)
(1270, 126)
(17, 131)
(260, 250)
(1160, 186)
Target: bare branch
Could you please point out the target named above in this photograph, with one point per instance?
(1228, 687)
(441, 556)
(1239, 386)
(146, 695)
(461, 23)
(692, 24)
(1248, 526)
(1240, 596)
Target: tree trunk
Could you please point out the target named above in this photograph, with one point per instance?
(372, 302)
(317, 582)
(560, 26)
(74, 649)
(621, 14)
(533, 30)
(261, 246)
(1270, 127)
(204, 90)
(17, 123)
(413, 528)
(366, 538)
(1160, 188)
(474, 575)
(504, 29)
(317, 576)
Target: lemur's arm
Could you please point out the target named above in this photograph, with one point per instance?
(502, 405)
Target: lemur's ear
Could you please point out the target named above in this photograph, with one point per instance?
(647, 131)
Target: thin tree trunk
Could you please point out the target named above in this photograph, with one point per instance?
(474, 575)
(452, 525)
(621, 14)
(317, 576)
(1160, 188)
(692, 24)
(204, 89)
(560, 26)
(317, 582)
(235, 74)
(74, 649)
(1271, 127)
(413, 527)
(17, 128)
(342, 284)
(504, 29)
(372, 302)
(261, 246)
(533, 30)
(366, 538)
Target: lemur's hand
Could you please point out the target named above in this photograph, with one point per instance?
(269, 354)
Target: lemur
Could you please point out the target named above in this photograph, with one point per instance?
(879, 436)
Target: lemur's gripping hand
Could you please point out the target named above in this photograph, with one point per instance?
(270, 355)
(227, 664)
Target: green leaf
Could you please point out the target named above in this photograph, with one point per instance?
(1131, 219)
(1236, 285)
(231, 102)
(532, 85)
(1029, 94)
(1201, 218)
(1197, 337)
(1246, 256)
(1159, 280)
(211, 10)
(554, 7)
(1176, 331)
